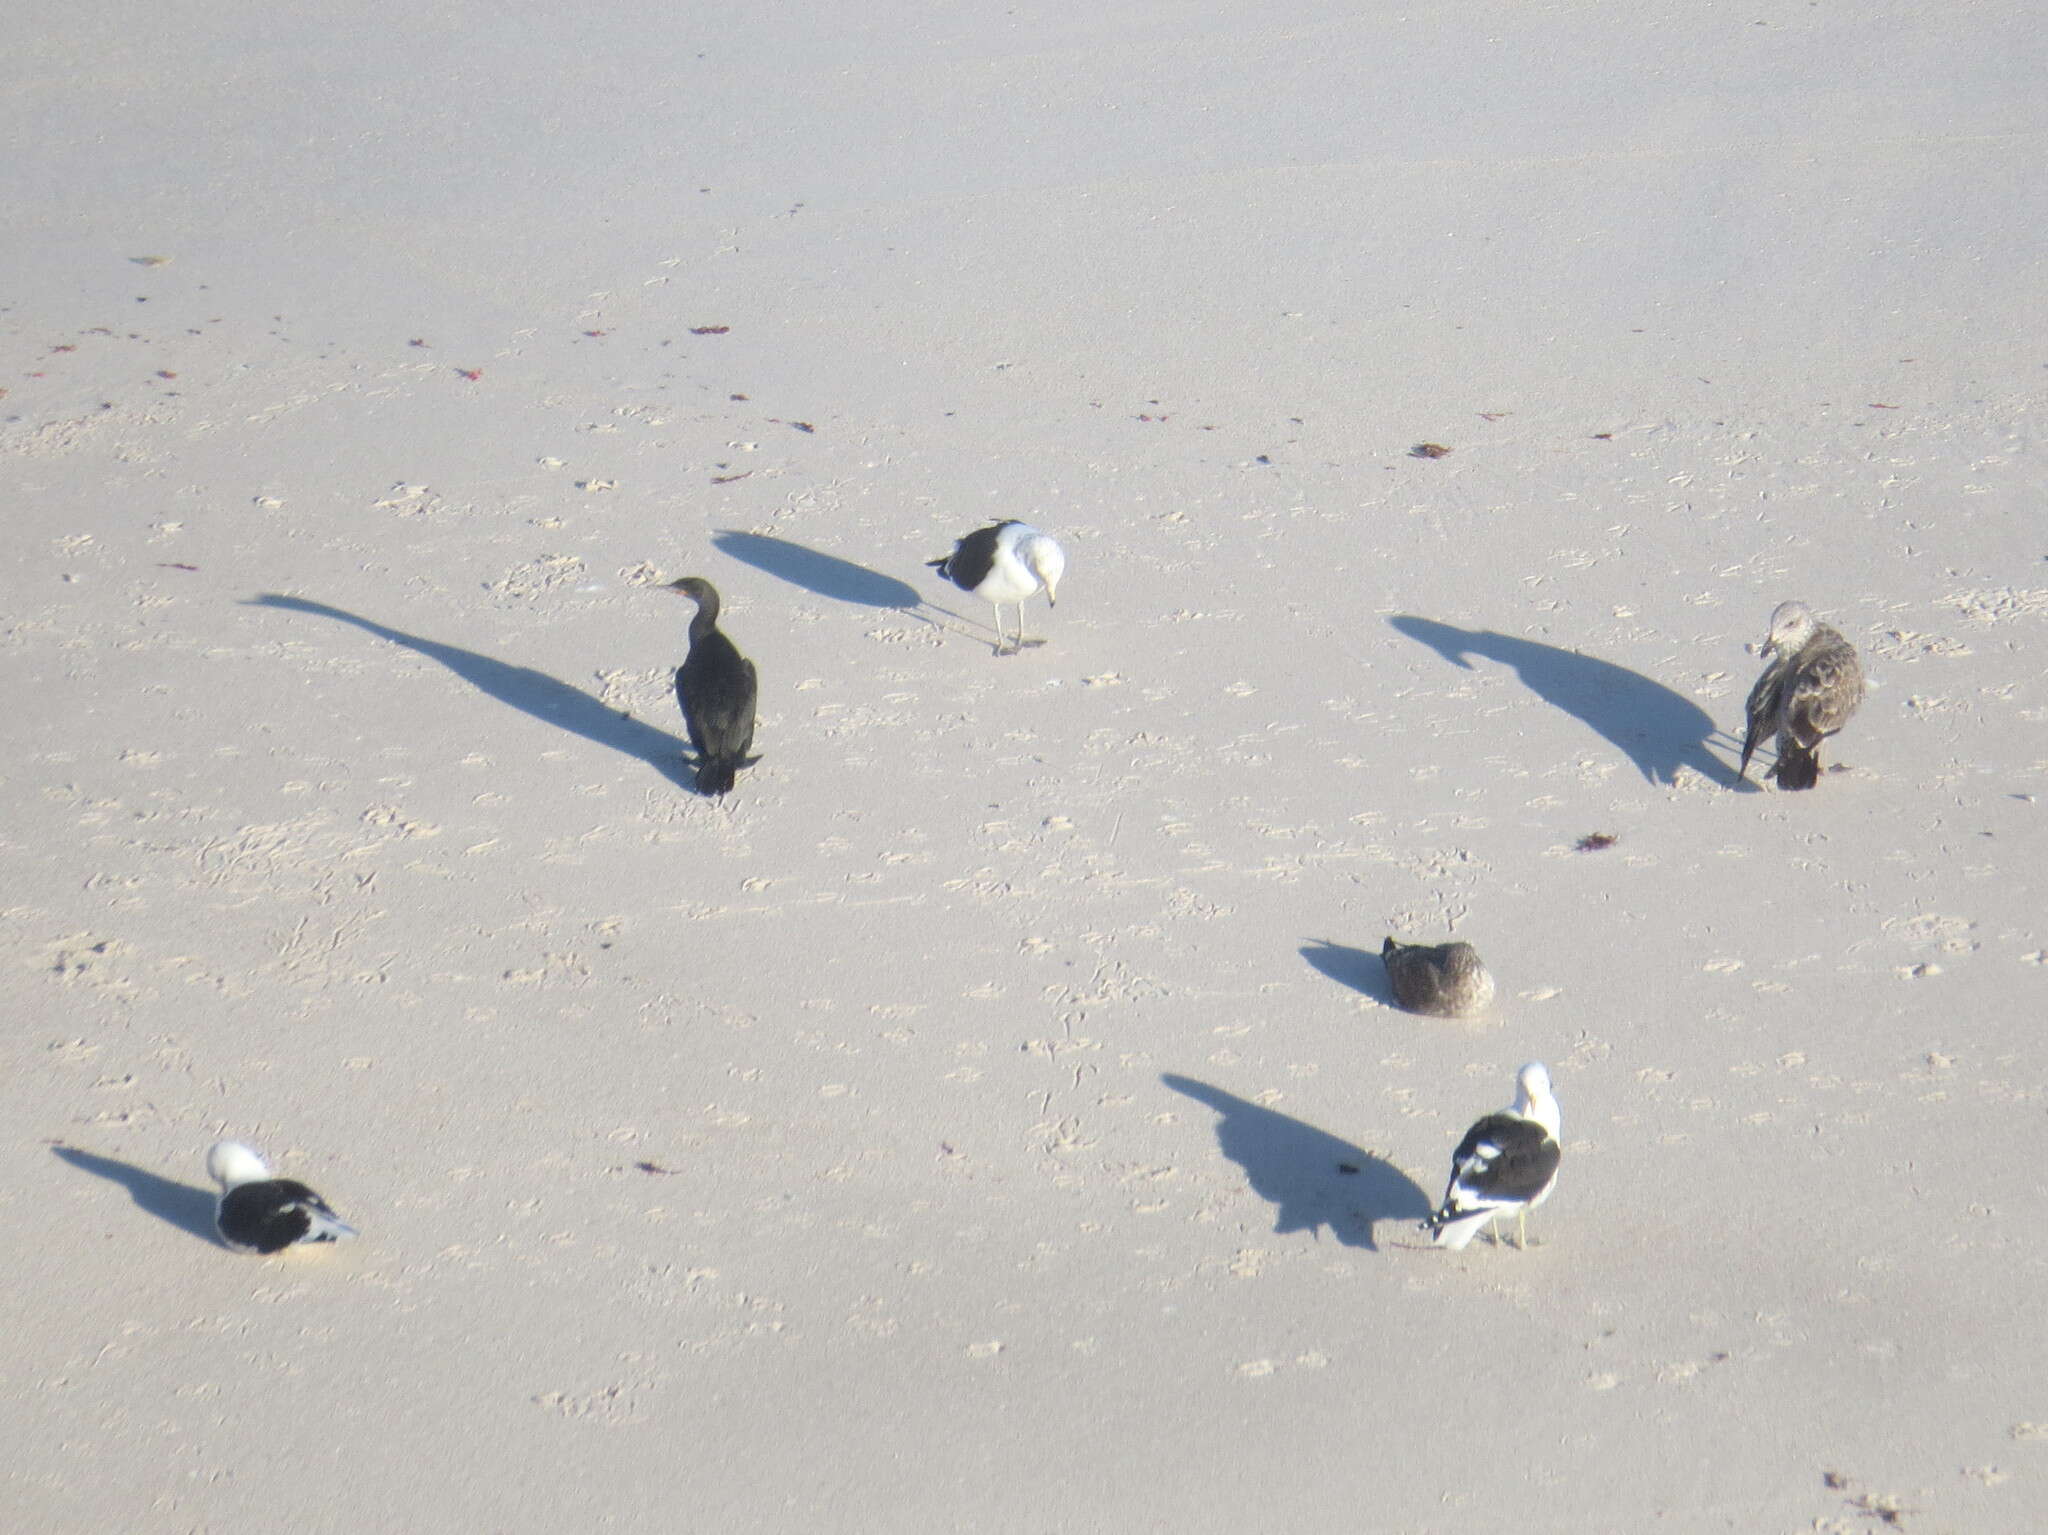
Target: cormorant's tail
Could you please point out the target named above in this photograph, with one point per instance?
(941, 563)
(1798, 766)
(715, 777)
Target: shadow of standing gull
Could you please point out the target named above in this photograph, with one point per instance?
(1361, 969)
(815, 571)
(530, 692)
(1304, 1171)
(182, 1205)
(1660, 730)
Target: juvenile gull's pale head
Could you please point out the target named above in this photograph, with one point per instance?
(1792, 625)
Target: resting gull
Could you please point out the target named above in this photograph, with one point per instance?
(261, 1214)
(1810, 686)
(1444, 980)
(716, 686)
(1005, 562)
(1507, 1161)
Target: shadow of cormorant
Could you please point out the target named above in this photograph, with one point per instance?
(188, 1208)
(815, 571)
(530, 692)
(1361, 969)
(1314, 1179)
(1660, 730)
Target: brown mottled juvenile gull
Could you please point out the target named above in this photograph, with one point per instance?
(1811, 684)
(1506, 1162)
(1444, 980)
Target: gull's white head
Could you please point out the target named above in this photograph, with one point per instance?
(1533, 1098)
(1792, 625)
(231, 1164)
(1045, 559)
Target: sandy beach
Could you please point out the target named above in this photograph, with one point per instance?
(992, 1115)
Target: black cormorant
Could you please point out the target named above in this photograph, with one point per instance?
(716, 686)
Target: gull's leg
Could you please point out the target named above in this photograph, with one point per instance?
(999, 626)
(1522, 1229)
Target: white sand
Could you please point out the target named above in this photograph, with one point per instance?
(985, 1038)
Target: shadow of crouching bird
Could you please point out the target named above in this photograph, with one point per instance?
(182, 1205)
(1661, 731)
(1312, 1178)
(1361, 969)
(531, 692)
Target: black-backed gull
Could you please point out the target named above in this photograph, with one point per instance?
(1810, 686)
(1506, 1162)
(1005, 562)
(1444, 980)
(261, 1214)
(716, 687)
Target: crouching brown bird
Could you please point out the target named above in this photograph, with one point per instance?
(1443, 980)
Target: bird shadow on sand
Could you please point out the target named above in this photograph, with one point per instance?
(188, 1208)
(815, 571)
(1661, 731)
(1361, 969)
(841, 580)
(546, 698)
(1312, 1178)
